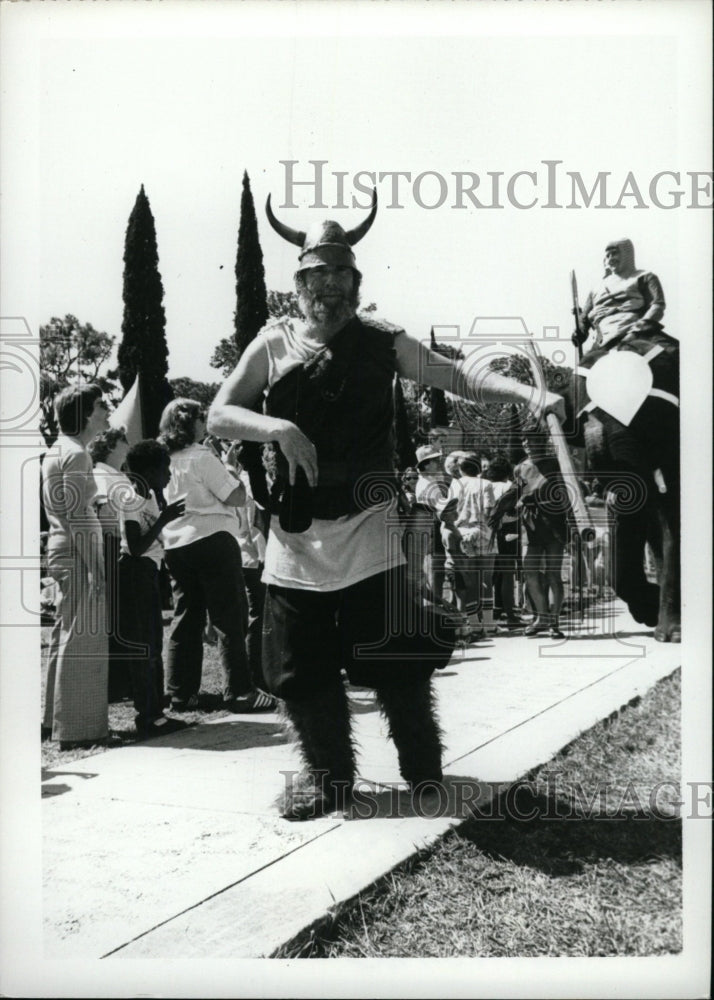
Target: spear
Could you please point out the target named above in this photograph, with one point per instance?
(581, 513)
(580, 333)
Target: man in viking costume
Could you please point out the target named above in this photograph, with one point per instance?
(628, 302)
(338, 598)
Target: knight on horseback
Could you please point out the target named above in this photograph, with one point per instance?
(624, 398)
(628, 302)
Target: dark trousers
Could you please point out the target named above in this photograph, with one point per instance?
(119, 677)
(377, 630)
(255, 591)
(140, 630)
(504, 573)
(207, 578)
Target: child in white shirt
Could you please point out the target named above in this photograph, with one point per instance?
(139, 613)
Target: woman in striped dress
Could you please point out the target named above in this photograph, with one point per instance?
(76, 709)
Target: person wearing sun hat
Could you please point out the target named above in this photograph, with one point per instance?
(432, 494)
(430, 487)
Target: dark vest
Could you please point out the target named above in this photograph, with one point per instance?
(341, 399)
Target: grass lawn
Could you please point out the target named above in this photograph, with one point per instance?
(585, 885)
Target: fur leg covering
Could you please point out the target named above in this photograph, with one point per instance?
(322, 728)
(410, 712)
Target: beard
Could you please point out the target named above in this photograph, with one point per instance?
(328, 311)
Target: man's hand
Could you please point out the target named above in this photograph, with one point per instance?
(172, 511)
(544, 403)
(232, 456)
(639, 326)
(554, 403)
(299, 451)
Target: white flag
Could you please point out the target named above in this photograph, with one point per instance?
(128, 414)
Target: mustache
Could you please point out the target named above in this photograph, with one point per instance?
(328, 305)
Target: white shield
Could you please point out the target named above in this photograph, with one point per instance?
(619, 384)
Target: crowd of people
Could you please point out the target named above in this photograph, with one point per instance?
(116, 515)
(480, 538)
(312, 575)
(491, 540)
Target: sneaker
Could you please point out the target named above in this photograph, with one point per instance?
(535, 629)
(81, 744)
(466, 635)
(190, 705)
(160, 727)
(554, 632)
(508, 627)
(256, 701)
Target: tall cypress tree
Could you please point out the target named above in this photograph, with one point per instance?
(439, 410)
(251, 313)
(143, 346)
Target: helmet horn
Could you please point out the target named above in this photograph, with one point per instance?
(291, 235)
(356, 234)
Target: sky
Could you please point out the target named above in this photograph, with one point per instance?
(185, 103)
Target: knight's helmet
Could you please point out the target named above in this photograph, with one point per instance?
(627, 255)
(324, 242)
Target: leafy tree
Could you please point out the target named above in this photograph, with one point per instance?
(405, 454)
(202, 392)
(499, 426)
(71, 351)
(518, 367)
(225, 356)
(283, 304)
(143, 347)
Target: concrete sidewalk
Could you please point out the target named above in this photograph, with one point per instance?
(174, 849)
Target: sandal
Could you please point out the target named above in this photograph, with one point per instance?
(256, 701)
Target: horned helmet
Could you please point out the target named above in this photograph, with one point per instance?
(324, 243)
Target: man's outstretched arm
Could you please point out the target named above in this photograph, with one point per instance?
(476, 383)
